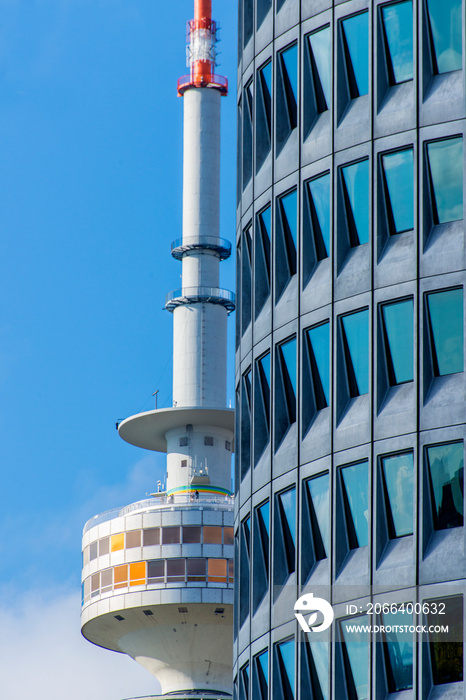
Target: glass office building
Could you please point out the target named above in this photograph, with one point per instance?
(350, 379)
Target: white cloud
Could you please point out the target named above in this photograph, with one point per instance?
(43, 655)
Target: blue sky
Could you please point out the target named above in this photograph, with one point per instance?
(90, 200)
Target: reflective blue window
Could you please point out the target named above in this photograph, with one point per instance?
(397, 21)
(356, 195)
(285, 389)
(319, 346)
(260, 679)
(398, 648)
(445, 311)
(262, 259)
(355, 497)
(288, 351)
(399, 190)
(317, 658)
(446, 175)
(319, 489)
(244, 684)
(289, 75)
(357, 656)
(289, 203)
(445, 21)
(286, 668)
(261, 405)
(398, 477)
(398, 340)
(263, 113)
(321, 63)
(260, 564)
(245, 456)
(319, 203)
(446, 657)
(355, 332)
(446, 472)
(356, 42)
(287, 501)
(262, 9)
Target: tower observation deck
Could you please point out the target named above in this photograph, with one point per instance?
(158, 574)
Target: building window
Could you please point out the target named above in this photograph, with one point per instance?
(445, 34)
(398, 650)
(446, 480)
(355, 341)
(247, 112)
(262, 260)
(355, 38)
(171, 535)
(286, 94)
(246, 296)
(316, 223)
(286, 234)
(445, 330)
(398, 485)
(260, 676)
(398, 184)
(245, 546)
(263, 113)
(397, 24)
(355, 189)
(133, 539)
(315, 669)
(248, 20)
(245, 435)
(151, 536)
(284, 535)
(316, 372)
(284, 670)
(446, 656)
(262, 9)
(261, 405)
(285, 389)
(191, 534)
(445, 167)
(355, 499)
(260, 558)
(239, 150)
(317, 76)
(212, 534)
(397, 332)
(355, 651)
(316, 523)
(156, 571)
(244, 683)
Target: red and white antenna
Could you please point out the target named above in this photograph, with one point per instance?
(201, 51)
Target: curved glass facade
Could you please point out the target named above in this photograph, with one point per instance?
(350, 377)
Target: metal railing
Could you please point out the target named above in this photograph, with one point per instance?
(181, 246)
(189, 295)
(162, 503)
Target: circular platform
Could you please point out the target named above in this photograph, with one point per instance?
(196, 295)
(188, 245)
(148, 429)
(194, 695)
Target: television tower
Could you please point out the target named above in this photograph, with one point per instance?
(158, 574)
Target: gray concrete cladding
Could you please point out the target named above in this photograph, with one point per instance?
(349, 353)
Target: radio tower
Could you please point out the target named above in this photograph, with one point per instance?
(158, 574)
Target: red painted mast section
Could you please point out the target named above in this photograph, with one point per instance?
(202, 38)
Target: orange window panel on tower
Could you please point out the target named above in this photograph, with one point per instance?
(137, 573)
(227, 535)
(212, 534)
(120, 576)
(217, 570)
(118, 542)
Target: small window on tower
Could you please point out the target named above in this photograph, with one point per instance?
(184, 462)
(184, 441)
(209, 441)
